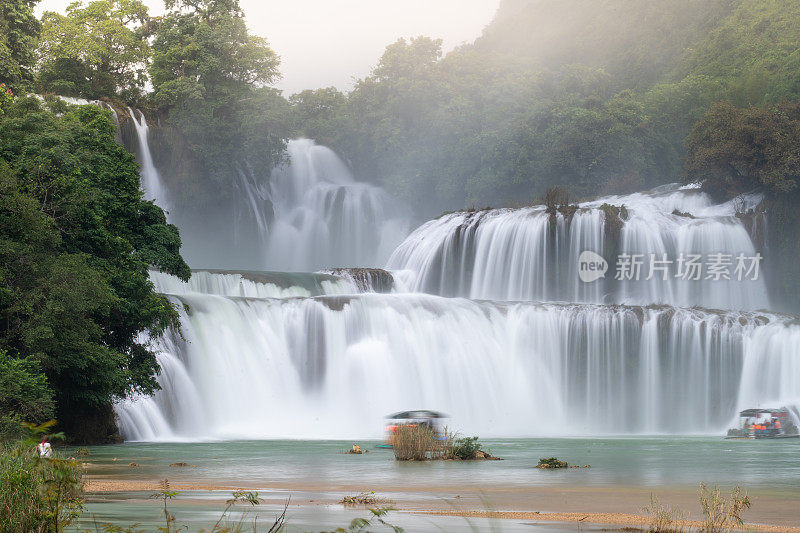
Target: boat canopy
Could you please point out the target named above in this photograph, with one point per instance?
(750, 413)
(416, 414)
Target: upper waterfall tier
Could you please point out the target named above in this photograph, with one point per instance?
(530, 254)
(313, 214)
(333, 366)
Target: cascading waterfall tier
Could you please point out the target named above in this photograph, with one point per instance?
(332, 366)
(152, 184)
(530, 254)
(313, 214)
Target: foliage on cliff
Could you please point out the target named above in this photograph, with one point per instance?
(737, 150)
(594, 95)
(210, 81)
(76, 240)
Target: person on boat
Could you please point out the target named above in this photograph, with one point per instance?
(44, 448)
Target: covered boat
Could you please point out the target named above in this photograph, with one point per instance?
(433, 420)
(765, 424)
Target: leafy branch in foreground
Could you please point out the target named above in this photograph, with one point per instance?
(359, 525)
(165, 494)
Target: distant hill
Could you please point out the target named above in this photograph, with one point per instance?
(752, 46)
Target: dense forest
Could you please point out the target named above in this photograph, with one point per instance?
(598, 96)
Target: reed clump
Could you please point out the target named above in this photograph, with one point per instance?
(420, 443)
(664, 519)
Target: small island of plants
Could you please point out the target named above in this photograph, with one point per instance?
(421, 443)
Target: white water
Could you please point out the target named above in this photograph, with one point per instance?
(254, 285)
(313, 214)
(333, 366)
(152, 185)
(276, 354)
(517, 254)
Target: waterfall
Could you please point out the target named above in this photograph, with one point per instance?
(530, 254)
(333, 366)
(313, 214)
(466, 319)
(308, 215)
(151, 179)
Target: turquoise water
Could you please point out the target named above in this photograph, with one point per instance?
(645, 462)
(320, 471)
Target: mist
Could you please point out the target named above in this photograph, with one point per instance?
(323, 44)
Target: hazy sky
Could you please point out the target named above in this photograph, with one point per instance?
(329, 42)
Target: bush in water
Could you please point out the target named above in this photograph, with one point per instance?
(465, 448)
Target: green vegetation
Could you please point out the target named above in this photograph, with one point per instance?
(37, 494)
(721, 515)
(24, 395)
(94, 51)
(594, 96)
(210, 82)
(76, 240)
(552, 462)
(465, 448)
(19, 29)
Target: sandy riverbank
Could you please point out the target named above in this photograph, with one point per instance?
(618, 506)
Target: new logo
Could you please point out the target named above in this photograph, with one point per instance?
(591, 266)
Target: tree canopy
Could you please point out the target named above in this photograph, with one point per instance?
(735, 150)
(97, 50)
(210, 80)
(76, 241)
(19, 29)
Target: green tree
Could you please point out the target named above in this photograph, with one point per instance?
(24, 395)
(209, 79)
(19, 29)
(735, 150)
(96, 50)
(76, 241)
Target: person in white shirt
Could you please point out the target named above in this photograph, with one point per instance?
(44, 448)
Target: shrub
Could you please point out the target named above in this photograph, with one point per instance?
(552, 462)
(37, 494)
(719, 515)
(419, 443)
(663, 519)
(465, 448)
(24, 395)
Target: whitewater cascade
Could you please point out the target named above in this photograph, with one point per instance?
(530, 255)
(312, 214)
(250, 365)
(150, 178)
